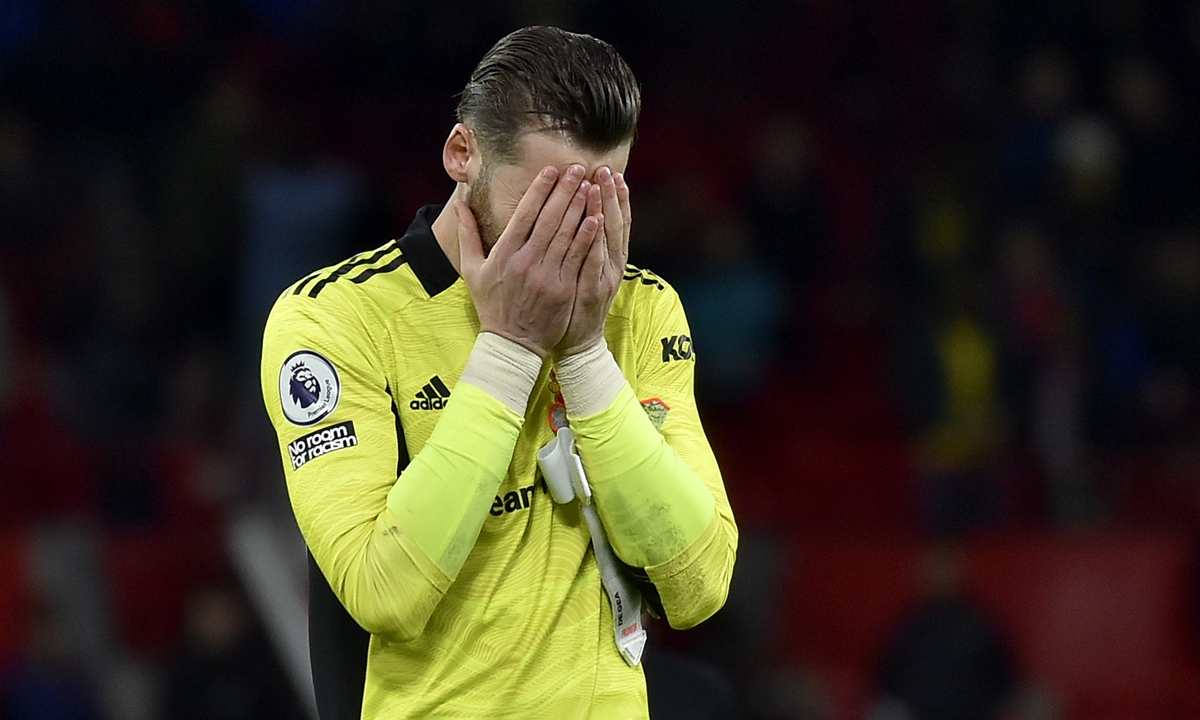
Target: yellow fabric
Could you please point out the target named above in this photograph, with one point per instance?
(455, 476)
(653, 505)
(482, 596)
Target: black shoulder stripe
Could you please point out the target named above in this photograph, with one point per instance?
(646, 278)
(349, 265)
(369, 273)
(300, 288)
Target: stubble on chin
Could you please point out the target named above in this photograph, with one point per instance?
(479, 200)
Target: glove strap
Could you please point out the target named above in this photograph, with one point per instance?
(567, 482)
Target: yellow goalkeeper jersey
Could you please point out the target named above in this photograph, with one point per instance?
(363, 356)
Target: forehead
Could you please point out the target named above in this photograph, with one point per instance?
(539, 149)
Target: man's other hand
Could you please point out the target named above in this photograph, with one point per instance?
(600, 276)
(525, 288)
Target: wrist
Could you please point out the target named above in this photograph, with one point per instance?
(523, 342)
(504, 369)
(578, 348)
(590, 379)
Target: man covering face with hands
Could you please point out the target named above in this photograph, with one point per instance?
(503, 330)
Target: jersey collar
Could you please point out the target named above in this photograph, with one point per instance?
(424, 254)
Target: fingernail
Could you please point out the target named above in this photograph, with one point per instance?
(575, 172)
(603, 174)
(548, 173)
(583, 188)
(619, 178)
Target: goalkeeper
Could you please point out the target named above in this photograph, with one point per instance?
(468, 345)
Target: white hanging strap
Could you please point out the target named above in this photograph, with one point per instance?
(567, 482)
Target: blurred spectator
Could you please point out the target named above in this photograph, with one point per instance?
(1159, 158)
(203, 219)
(786, 214)
(734, 303)
(949, 358)
(1045, 92)
(196, 466)
(788, 219)
(50, 683)
(947, 213)
(671, 218)
(1125, 364)
(947, 661)
(1169, 289)
(223, 670)
(301, 209)
(960, 450)
(1087, 155)
(113, 387)
(1043, 333)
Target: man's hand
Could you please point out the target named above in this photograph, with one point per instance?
(525, 288)
(600, 276)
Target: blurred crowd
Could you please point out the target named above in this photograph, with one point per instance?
(941, 262)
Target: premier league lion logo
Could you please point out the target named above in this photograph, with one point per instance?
(309, 388)
(305, 387)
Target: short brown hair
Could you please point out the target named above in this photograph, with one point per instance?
(543, 78)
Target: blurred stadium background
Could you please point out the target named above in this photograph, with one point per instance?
(942, 264)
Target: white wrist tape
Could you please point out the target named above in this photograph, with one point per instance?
(590, 380)
(503, 369)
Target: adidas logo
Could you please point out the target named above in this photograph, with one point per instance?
(433, 396)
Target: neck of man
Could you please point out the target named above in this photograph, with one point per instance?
(445, 227)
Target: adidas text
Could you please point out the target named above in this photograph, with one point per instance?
(434, 396)
(427, 404)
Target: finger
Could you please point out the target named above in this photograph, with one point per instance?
(581, 245)
(597, 257)
(568, 227)
(596, 209)
(525, 216)
(470, 247)
(626, 211)
(612, 211)
(556, 206)
(595, 203)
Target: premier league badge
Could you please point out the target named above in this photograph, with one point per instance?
(309, 387)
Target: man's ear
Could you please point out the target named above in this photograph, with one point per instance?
(460, 155)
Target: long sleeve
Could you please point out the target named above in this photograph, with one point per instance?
(659, 492)
(389, 542)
